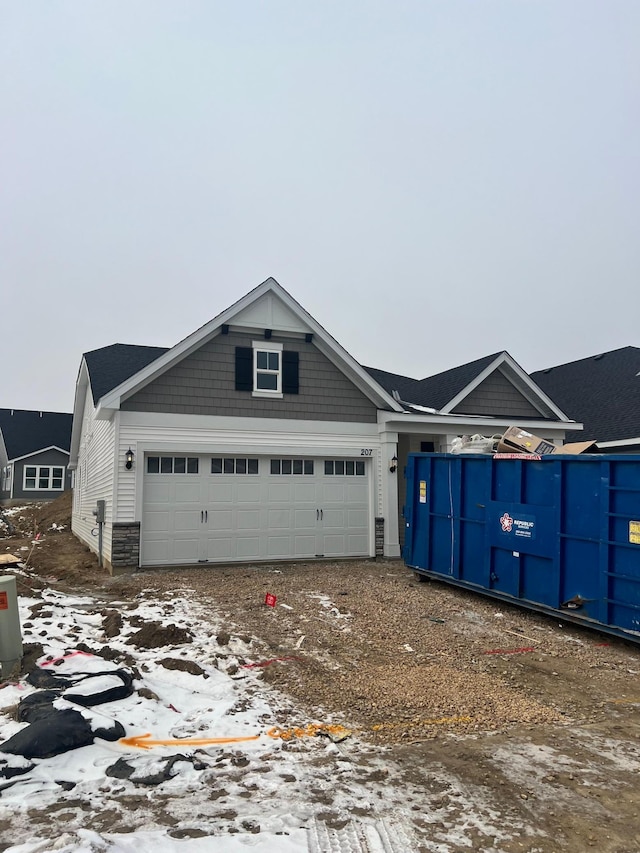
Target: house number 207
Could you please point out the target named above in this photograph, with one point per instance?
(366, 451)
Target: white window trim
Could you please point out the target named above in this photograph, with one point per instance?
(266, 346)
(50, 487)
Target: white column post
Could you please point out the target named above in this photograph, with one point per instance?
(389, 449)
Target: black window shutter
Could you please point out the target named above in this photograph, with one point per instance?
(244, 369)
(290, 383)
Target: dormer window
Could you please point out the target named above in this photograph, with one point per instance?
(267, 369)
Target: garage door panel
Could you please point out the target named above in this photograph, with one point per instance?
(279, 519)
(189, 492)
(305, 492)
(304, 546)
(357, 544)
(156, 551)
(156, 492)
(186, 520)
(226, 517)
(334, 545)
(219, 549)
(187, 550)
(219, 493)
(356, 518)
(248, 519)
(279, 493)
(333, 492)
(334, 518)
(248, 548)
(305, 519)
(357, 493)
(248, 493)
(220, 519)
(157, 521)
(279, 547)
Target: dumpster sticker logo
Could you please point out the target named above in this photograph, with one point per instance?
(522, 526)
(506, 523)
(634, 532)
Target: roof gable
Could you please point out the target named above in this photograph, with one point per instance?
(445, 392)
(601, 391)
(258, 310)
(444, 387)
(25, 432)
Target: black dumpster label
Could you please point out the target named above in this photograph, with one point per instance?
(520, 526)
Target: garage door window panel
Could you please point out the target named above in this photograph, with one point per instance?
(234, 465)
(172, 465)
(292, 466)
(342, 468)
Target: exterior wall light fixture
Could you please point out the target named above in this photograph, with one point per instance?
(128, 459)
(393, 467)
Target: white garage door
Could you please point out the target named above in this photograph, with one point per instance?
(230, 508)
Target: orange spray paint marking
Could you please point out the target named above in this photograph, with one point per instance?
(145, 741)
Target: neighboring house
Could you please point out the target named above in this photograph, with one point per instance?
(34, 455)
(603, 392)
(258, 437)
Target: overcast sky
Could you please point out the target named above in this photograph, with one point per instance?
(432, 181)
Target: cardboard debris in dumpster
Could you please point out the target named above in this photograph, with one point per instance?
(518, 440)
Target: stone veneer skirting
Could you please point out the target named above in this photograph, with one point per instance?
(125, 544)
(379, 537)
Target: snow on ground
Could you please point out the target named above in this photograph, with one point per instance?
(256, 792)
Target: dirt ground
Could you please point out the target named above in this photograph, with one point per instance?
(541, 720)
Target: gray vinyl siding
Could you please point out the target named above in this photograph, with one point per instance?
(204, 384)
(497, 396)
(50, 458)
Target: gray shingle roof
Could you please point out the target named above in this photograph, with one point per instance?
(26, 431)
(109, 366)
(602, 391)
(433, 391)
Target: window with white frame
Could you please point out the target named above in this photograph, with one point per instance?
(6, 478)
(48, 478)
(267, 368)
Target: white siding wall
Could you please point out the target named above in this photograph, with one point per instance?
(200, 434)
(94, 478)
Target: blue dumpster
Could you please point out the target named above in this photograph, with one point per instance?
(560, 535)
